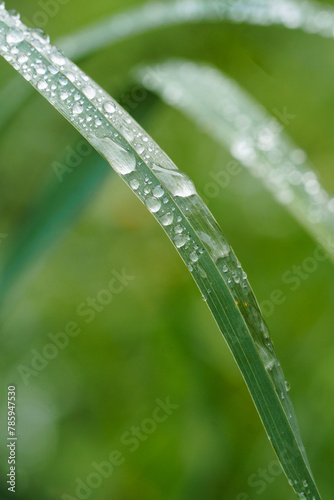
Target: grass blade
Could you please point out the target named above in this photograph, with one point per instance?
(307, 16)
(256, 139)
(171, 197)
(53, 213)
(12, 97)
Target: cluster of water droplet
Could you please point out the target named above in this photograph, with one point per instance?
(303, 494)
(113, 132)
(90, 109)
(135, 156)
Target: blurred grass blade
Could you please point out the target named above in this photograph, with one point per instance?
(171, 197)
(54, 211)
(254, 138)
(308, 16)
(12, 97)
(294, 14)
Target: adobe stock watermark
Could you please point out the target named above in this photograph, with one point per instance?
(72, 160)
(130, 100)
(260, 479)
(129, 442)
(221, 179)
(48, 9)
(295, 276)
(57, 342)
(264, 476)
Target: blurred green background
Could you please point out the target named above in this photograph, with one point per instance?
(156, 339)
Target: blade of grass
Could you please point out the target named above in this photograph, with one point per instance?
(293, 14)
(172, 198)
(53, 212)
(12, 97)
(257, 140)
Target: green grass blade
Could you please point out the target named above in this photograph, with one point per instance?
(308, 16)
(256, 139)
(53, 212)
(12, 97)
(172, 198)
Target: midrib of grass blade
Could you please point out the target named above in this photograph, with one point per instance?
(311, 17)
(253, 137)
(171, 197)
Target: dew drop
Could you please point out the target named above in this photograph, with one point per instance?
(109, 107)
(123, 161)
(89, 91)
(41, 35)
(58, 59)
(180, 240)
(287, 386)
(158, 192)
(41, 70)
(77, 109)
(63, 95)
(201, 271)
(175, 181)
(269, 365)
(219, 249)
(298, 156)
(53, 70)
(167, 219)
(71, 77)
(12, 12)
(42, 85)
(23, 59)
(134, 184)
(140, 149)
(14, 36)
(153, 204)
(193, 256)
